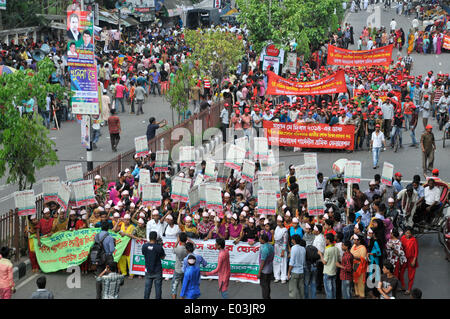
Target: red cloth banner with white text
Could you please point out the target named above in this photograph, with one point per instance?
(446, 42)
(378, 56)
(335, 83)
(309, 135)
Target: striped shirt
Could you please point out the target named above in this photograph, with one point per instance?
(207, 83)
(111, 285)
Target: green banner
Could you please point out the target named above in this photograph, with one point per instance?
(71, 248)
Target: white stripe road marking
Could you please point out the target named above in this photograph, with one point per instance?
(26, 281)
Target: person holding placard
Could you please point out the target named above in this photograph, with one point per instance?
(44, 226)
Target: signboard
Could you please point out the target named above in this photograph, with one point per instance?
(86, 131)
(244, 259)
(180, 189)
(235, 157)
(162, 161)
(85, 87)
(315, 202)
(248, 171)
(387, 173)
(194, 198)
(141, 145)
(352, 172)
(310, 135)
(2, 4)
(214, 198)
(273, 61)
(291, 63)
(74, 172)
(446, 42)
(187, 156)
(151, 194)
(261, 148)
(306, 184)
(378, 56)
(210, 169)
(25, 202)
(50, 188)
(334, 83)
(223, 173)
(84, 193)
(64, 192)
(80, 39)
(267, 202)
(279, 169)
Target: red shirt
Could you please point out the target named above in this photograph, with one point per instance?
(45, 226)
(114, 124)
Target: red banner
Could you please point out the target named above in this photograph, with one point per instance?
(335, 83)
(446, 42)
(383, 94)
(378, 56)
(309, 135)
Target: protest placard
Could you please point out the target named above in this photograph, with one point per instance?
(223, 172)
(187, 156)
(352, 172)
(64, 192)
(180, 189)
(315, 202)
(248, 170)
(210, 169)
(243, 143)
(162, 161)
(25, 202)
(151, 194)
(279, 169)
(387, 173)
(84, 193)
(306, 184)
(235, 157)
(194, 198)
(267, 202)
(214, 198)
(74, 172)
(261, 148)
(50, 187)
(311, 160)
(302, 170)
(270, 183)
(141, 145)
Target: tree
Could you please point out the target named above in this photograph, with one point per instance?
(308, 22)
(24, 144)
(214, 53)
(20, 14)
(178, 93)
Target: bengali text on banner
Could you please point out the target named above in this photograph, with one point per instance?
(378, 56)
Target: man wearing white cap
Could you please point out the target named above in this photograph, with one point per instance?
(243, 189)
(281, 251)
(372, 190)
(155, 225)
(365, 214)
(295, 229)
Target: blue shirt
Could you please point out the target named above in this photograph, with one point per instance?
(267, 254)
(153, 253)
(155, 77)
(108, 242)
(198, 261)
(298, 231)
(191, 283)
(365, 217)
(398, 186)
(298, 259)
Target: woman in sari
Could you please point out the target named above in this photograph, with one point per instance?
(439, 43)
(420, 45)
(359, 253)
(410, 42)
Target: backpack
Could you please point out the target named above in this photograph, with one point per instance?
(97, 253)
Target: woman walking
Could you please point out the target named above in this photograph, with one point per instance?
(359, 253)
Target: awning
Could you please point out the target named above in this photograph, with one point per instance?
(113, 18)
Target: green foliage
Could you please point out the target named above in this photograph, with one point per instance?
(178, 93)
(20, 14)
(24, 144)
(306, 21)
(214, 53)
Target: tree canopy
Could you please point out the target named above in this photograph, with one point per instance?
(308, 22)
(24, 144)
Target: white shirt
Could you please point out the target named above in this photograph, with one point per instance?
(432, 195)
(153, 226)
(319, 243)
(171, 232)
(377, 139)
(393, 25)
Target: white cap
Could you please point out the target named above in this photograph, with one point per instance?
(246, 208)
(141, 215)
(391, 200)
(280, 218)
(181, 174)
(287, 213)
(243, 214)
(107, 206)
(120, 203)
(370, 231)
(127, 216)
(216, 219)
(330, 210)
(169, 217)
(155, 212)
(295, 220)
(266, 222)
(229, 215)
(226, 194)
(315, 228)
(283, 207)
(101, 209)
(325, 216)
(355, 236)
(192, 168)
(205, 214)
(116, 215)
(33, 216)
(110, 202)
(262, 216)
(84, 217)
(372, 182)
(213, 213)
(251, 220)
(210, 211)
(234, 216)
(116, 207)
(46, 210)
(308, 226)
(188, 218)
(125, 192)
(141, 221)
(366, 202)
(196, 216)
(61, 210)
(132, 205)
(97, 177)
(242, 181)
(72, 212)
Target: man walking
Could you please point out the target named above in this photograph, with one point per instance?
(153, 254)
(140, 95)
(376, 143)
(223, 268)
(297, 263)
(346, 273)
(265, 265)
(329, 260)
(180, 253)
(107, 243)
(428, 147)
(114, 130)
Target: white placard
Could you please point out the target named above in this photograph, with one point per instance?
(74, 172)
